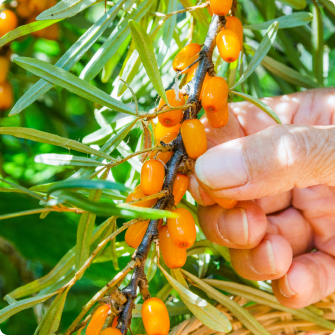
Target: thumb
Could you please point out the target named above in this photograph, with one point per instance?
(269, 162)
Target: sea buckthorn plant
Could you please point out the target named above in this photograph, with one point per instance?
(102, 120)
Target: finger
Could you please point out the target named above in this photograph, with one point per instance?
(269, 162)
(198, 193)
(241, 227)
(310, 278)
(275, 203)
(270, 260)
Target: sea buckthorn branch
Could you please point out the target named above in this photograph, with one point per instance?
(172, 167)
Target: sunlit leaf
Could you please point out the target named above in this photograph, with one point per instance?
(66, 160)
(150, 266)
(317, 43)
(296, 4)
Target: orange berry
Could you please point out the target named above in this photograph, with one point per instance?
(8, 21)
(174, 257)
(38, 6)
(4, 67)
(111, 331)
(164, 156)
(23, 10)
(115, 321)
(182, 229)
(51, 32)
(152, 176)
(210, 12)
(215, 94)
(191, 73)
(233, 23)
(155, 317)
(138, 194)
(98, 320)
(180, 187)
(6, 95)
(194, 138)
(135, 233)
(186, 56)
(229, 45)
(225, 203)
(207, 77)
(220, 118)
(161, 131)
(172, 118)
(221, 7)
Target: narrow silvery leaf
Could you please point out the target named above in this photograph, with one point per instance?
(261, 52)
(285, 21)
(72, 83)
(145, 49)
(296, 4)
(66, 160)
(317, 43)
(70, 58)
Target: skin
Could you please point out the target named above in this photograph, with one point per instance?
(283, 177)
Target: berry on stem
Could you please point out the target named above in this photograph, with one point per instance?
(135, 233)
(164, 156)
(161, 131)
(155, 317)
(215, 94)
(191, 73)
(6, 95)
(8, 21)
(220, 118)
(172, 118)
(221, 7)
(98, 320)
(229, 45)
(194, 138)
(186, 56)
(111, 331)
(138, 194)
(174, 257)
(180, 187)
(4, 67)
(152, 176)
(233, 23)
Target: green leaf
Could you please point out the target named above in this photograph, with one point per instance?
(66, 8)
(70, 58)
(146, 51)
(262, 50)
(260, 104)
(150, 265)
(286, 21)
(317, 43)
(19, 306)
(238, 311)
(87, 184)
(66, 160)
(208, 315)
(43, 137)
(296, 4)
(329, 5)
(25, 30)
(62, 78)
(23, 213)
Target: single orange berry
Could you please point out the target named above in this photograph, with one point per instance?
(23, 10)
(155, 317)
(182, 229)
(135, 233)
(220, 118)
(161, 131)
(172, 118)
(233, 23)
(164, 156)
(180, 187)
(111, 331)
(186, 56)
(6, 95)
(225, 203)
(194, 138)
(207, 77)
(215, 94)
(98, 320)
(221, 7)
(138, 194)
(51, 32)
(191, 73)
(8, 21)
(174, 257)
(152, 176)
(229, 45)
(210, 12)
(4, 67)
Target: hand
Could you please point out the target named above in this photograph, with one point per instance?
(290, 171)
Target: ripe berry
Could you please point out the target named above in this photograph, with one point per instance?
(155, 317)
(4, 67)
(233, 23)
(172, 118)
(221, 7)
(174, 257)
(152, 176)
(191, 73)
(38, 6)
(229, 45)
(135, 233)
(6, 95)
(138, 194)
(210, 12)
(111, 331)
(51, 32)
(23, 10)
(225, 203)
(194, 138)
(186, 56)
(161, 131)
(164, 156)
(8, 21)
(98, 320)
(220, 118)
(215, 94)
(207, 77)
(180, 187)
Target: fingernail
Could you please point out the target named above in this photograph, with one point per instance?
(262, 259)
(285, 288)
(222, 167)
(233, 225)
